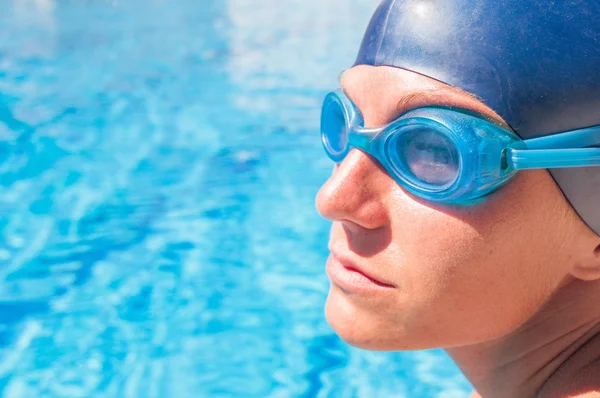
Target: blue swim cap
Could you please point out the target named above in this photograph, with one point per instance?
(535, 62)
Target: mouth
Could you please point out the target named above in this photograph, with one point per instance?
(351, 279)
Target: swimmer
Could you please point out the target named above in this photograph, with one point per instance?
(465, 197)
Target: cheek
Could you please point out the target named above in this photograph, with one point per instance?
(470, 274)
(440, 271)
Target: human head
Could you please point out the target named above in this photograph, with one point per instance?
(460, 274)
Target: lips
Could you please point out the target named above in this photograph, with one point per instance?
(351, 278)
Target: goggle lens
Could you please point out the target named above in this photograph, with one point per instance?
(424, 155)
(334, 128)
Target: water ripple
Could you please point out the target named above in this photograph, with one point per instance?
(158, 238)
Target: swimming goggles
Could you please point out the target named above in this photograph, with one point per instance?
(449, 155)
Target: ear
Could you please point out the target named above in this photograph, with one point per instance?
(588, 267)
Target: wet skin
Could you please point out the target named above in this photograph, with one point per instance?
(479, 280)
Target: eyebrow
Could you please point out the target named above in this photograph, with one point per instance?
(406, 100)
(405, 103)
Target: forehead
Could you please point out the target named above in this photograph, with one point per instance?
(382, 93)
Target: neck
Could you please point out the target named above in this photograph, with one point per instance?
(553, 345)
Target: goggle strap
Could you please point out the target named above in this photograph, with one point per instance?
(524, 159)
(581, 138)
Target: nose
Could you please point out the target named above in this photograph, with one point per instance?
(356, 192)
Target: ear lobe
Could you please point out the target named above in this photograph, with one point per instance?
(588, 268)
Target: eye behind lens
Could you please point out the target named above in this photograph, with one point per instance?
(424, 157)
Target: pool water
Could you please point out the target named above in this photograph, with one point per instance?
(158, 166)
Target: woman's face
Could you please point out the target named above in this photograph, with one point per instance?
(438, 275)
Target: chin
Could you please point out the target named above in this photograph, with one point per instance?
(364, 325)
(356, 326)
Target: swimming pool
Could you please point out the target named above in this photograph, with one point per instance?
(158, 166)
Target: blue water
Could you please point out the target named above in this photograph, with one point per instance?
(158, 164)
